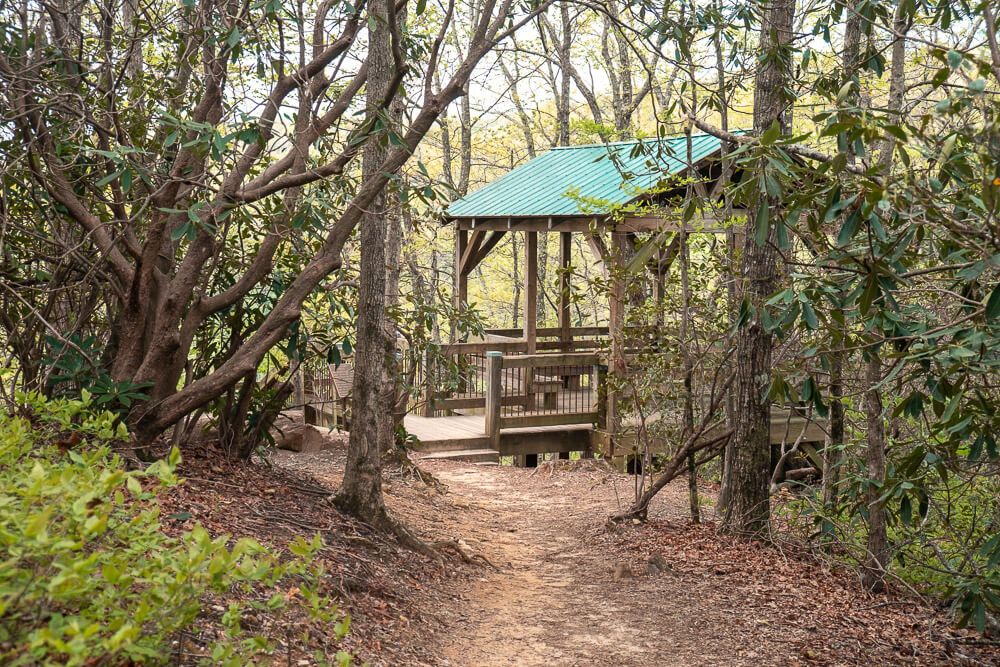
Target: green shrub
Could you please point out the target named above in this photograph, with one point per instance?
(943, 525)
(87, 576)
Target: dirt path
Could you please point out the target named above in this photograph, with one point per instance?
(556, 600)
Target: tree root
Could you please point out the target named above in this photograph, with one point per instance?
(464, 552)
(396, 464)
(408, 539)
(434, 550)
(378, 518)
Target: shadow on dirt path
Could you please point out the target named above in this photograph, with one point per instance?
(556, 599)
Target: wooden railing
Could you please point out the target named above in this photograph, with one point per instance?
(541, 390)
(454, 376)
(576, 339)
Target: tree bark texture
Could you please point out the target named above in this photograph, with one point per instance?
(877, 557)
(372, 391)
(747, 510)
(833, 453)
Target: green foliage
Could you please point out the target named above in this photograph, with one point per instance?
(73, 370)
(89, 577)
(945, 532)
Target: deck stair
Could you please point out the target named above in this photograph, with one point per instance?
(464, 455)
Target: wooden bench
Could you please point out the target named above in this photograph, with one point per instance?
(549, 387)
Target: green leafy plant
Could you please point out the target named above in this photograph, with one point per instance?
(88, 576)
(73, 370)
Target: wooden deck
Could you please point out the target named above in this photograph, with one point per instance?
(529, 404)
(468, 432)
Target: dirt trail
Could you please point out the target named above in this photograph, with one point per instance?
(556, 600)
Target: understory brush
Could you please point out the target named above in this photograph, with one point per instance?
(944, 532)
(88, 577)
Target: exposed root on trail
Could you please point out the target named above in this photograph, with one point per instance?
(436, 550)
(384, 523)
(371, 510)
(408, 539)
(396, 464)
(464, 551)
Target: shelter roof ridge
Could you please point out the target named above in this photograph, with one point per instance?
(630, 142)
(582, 180)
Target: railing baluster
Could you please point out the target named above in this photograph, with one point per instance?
(429, 382)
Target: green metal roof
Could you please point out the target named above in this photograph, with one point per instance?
(578, 180)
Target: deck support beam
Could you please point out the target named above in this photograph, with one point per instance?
(708, 222)
(600, 252)
(461, 279)
(482, 251)
(470, 252)
(565, 266)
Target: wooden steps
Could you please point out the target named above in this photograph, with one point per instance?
(463, 433)
(433, 446)
(465, 455)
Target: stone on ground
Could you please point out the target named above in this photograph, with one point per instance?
(301, 438)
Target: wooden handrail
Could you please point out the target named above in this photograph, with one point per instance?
(564, 359)
(514, 346)
(482, 348)
(549, 332)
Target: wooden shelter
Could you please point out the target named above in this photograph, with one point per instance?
(623, 188)
(536, 390)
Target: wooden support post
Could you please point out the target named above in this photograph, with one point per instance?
(600, 388)
(461, 280)
(531, 290)
(565, 253)
(530, 309)
(462, 284)
(494, 368)
(299, 384)
(430, 384)
(309, 412)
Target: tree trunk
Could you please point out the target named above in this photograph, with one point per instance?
(878, 552)
(563, 94)
(372, 391)
(748, 510)
(877, 557)
(732, 304)
(897, 81)
(832, 452)
(688, 377)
